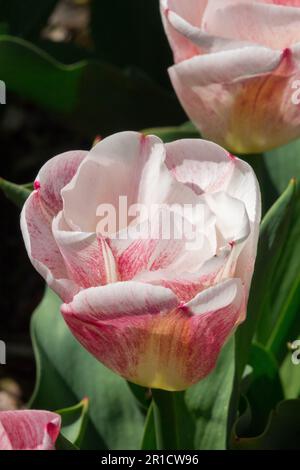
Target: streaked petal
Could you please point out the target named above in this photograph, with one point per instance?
(195, 40)
(190, 11)
(141, 332)
(127, 164)
(112, 321)
(187, 285)
(167, 241)
(36, 220)
(28, 430)
(202, 165)
(221, 91)
(54, 175)
(42, 249)
(209, 169)
(254, 22)
(87, 257)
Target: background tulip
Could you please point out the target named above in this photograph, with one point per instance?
(151, 309)
(236, 65)
(28, 430)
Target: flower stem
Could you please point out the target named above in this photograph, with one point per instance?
(165, 419)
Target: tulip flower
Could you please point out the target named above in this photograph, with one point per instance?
(28, 430)
(237, 69)
(154, 309)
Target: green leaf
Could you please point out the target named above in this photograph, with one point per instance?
(263, 387)
(142, 395)
(66, 373)
(63, 443)
(174, 426)
(95, 97)
(282, 431)
(283, 163)
(74, 422)
(209, 403)
(283, 322)
(273, 235)
(16, 193)
(149, 441)
(25, 18)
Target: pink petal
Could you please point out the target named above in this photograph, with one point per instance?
(215, 314)
(87, 257)
(162, 242)
(42, 248)
(203, 166)
(54, 175)
(136, 330)
(188, 284)
(254, 22)
(190, 11)
(210, 170)
(195, 40)
(127, 164)
(112, 321)
(36, 221)
(291, 3)
(232, 219)
(242, 98)
(28, 430)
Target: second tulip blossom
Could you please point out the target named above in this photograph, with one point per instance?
(237, 65)
(149, 308)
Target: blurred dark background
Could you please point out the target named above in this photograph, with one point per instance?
(73, 69)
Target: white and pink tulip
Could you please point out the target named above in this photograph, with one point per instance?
(151, 309)
(237, 63)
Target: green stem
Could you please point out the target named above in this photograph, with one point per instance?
(165, 419)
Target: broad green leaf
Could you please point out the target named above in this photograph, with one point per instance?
(142, 396)
(66, 373)
(94, 96)
(25, 19)
(74, 422)
(209, 403)
(16, 193)
(283, 163)
(263, 387)
(63, 443)
(282, 431)
(273, 235)
(149, 441)
(287, 321)
(283, 322)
